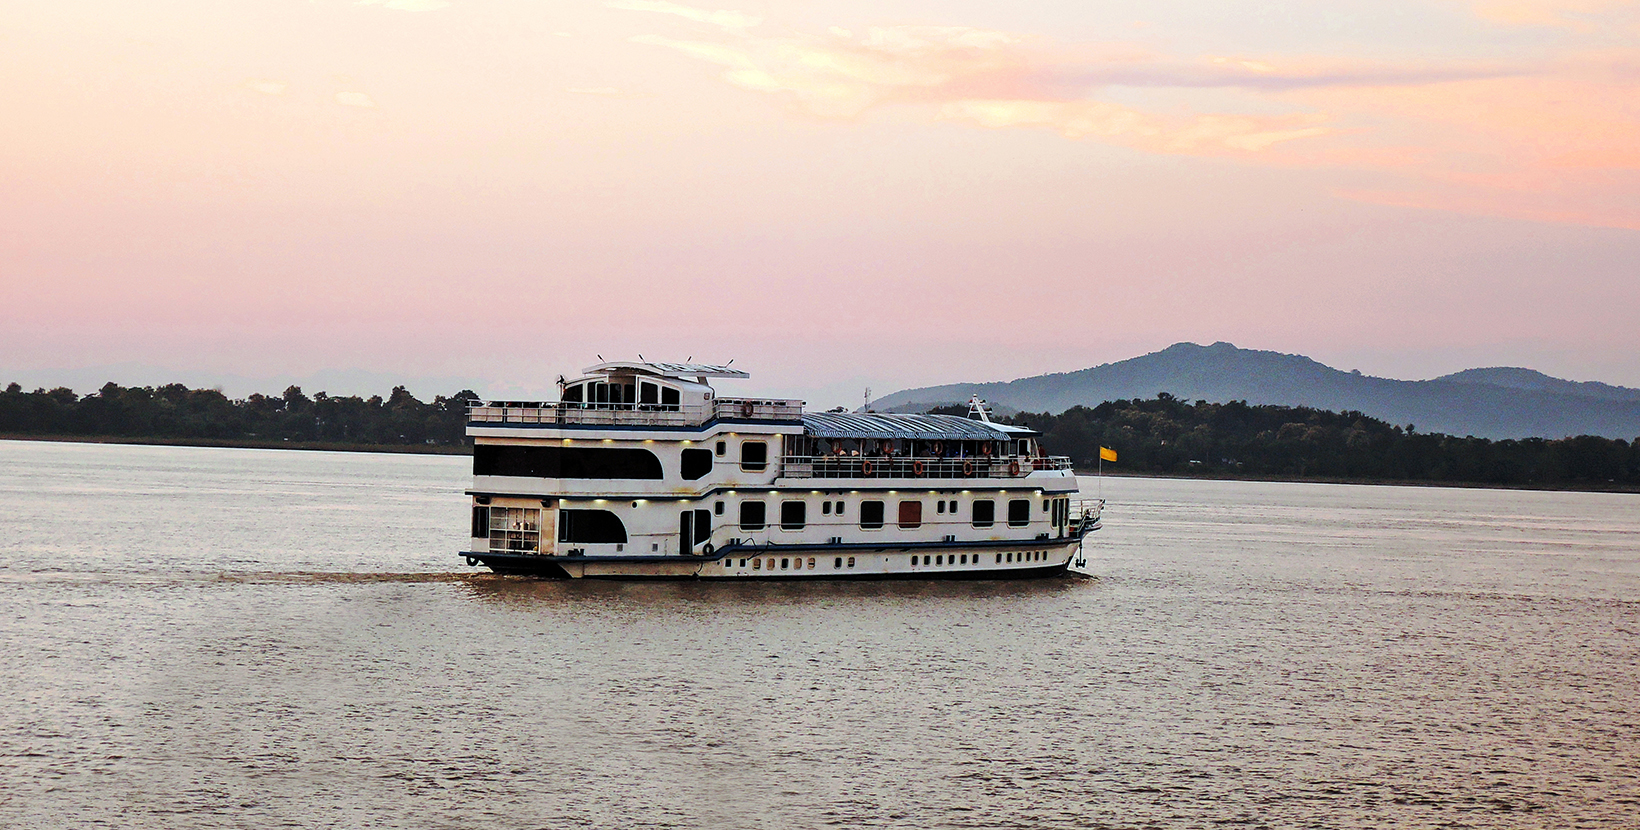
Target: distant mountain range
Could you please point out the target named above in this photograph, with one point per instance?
(1493, 403)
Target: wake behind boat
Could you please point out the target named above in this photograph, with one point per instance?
(640, 471)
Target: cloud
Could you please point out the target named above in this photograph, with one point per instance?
(267, 87)
(1553, 139)
(725, 19)
(1577, 14)
(999, 80)
(408, 5)
(355, 99)
(1129, 127)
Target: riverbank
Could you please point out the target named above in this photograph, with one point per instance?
(1558, 487)
(430, 449)
(327, 446)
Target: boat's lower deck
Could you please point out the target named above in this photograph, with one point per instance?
(1018, 560)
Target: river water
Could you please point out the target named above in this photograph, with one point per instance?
(243, 638)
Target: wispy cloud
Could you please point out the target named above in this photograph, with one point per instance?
(355, 99)
(266, 87)
(725, 19)
(1460, 134)
(408, 5)
(1576, 14)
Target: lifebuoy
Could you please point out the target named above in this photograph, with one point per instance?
(745, 409)
(472, 561)
(708, 550)
(917, 468)
(967, 469)
(1013, 467)
(866, 467)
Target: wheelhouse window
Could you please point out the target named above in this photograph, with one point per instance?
(871, 515)
(910, 514)
(1019, 512)
(571, 394)
(670, 399)
(590, 527)
(793, 515)
(754, 456)
(985, 513)
(696, 464)
(752, 515)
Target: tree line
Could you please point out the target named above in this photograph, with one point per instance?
(1170, 436)
(1158, 435)
(175, 412)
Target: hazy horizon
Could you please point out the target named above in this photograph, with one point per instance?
(834, 195)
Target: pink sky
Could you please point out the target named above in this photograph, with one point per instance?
(836, 194)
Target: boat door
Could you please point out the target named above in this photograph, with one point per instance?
(694, 529)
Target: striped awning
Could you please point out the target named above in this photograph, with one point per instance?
(914, 427)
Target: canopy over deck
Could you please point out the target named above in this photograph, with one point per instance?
(914, 427)
(667, 370)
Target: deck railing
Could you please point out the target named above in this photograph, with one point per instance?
(1007, 466)
(629, 414)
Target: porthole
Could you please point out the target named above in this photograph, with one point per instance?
(838, 563)
(851, 561)
(811, 563)
(784, 564)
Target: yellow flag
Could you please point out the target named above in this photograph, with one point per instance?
(1107, 454)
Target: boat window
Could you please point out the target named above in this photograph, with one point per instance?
(1019, 512)
(838, 563)
(669, 399)
(648, 393)
(910, 514)
(565, 462)
(515, 529)
(939, 506)
(754, 456)
(793, 515)
(572, 394)
(871, 514)
(1044, 505)
(722, 448)
(839, 508)
(481, 522)
(851, 561)
(751, 515)
(825, 508)
(985, 513)
(590, 526)
(696, 464)
(717, 507)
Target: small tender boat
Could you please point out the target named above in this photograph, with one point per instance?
(640, 471)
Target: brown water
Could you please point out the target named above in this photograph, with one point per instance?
(241, 638)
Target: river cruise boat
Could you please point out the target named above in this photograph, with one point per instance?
(641, 471)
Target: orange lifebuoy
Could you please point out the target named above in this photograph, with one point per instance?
(866, 467)
(968, 469)
(1013, 467)
(917, 468)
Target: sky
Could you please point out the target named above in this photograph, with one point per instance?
(833, 195)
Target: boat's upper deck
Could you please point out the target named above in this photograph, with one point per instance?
(639, 394)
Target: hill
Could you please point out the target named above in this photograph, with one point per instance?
(1494, 403)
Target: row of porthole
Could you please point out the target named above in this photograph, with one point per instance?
(798, 563)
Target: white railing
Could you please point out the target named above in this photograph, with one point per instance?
(1007, 466)
(629, 414)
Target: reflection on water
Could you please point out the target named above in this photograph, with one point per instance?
(229, 638)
